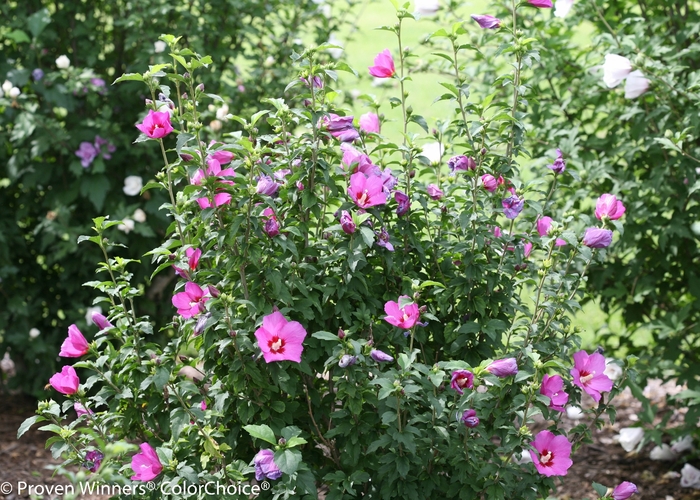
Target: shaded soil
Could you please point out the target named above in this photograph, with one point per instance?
(604, 461)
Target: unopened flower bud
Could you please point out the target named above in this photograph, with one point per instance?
(200, 87)
(186, 157)
(341, 334)
(213, 291)
(282, 442)
(483, 151)
(172, 256)
(423, 309)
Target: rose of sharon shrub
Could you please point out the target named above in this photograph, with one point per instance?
(440, 357)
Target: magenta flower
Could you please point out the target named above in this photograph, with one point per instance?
(403, 201)
(469, 418)
(80, 410)
(146, 465)
(552, 455)
(217, 200)
(383, 239)
(624, 490)
(487, 22)
(405, 318)
(588, 374)
(222, 156)
(503, 367)
(462, 379)
(93, 459)
(559, 164)
(544, 226)
(101, 322)
(279, 339)
(552, 387)
(272, 227)
(156, 124)
(369, 122)
(346, 222)
(266, 185)
(87, 153)
(265, 467)
(460, 162)
(596, 237)
(340, 127)
(609, 206)
(490, 183)
(383, 65)
(380, 356)
(193, 256)
(190, 302)
(66, 382)
(512, 206)
(366, 191)
(547, 4)
(497, 232)
(434, 192)
(75, 344)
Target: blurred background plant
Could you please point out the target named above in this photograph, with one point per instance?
(66, 136)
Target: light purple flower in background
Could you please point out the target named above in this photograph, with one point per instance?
(346, 222)
(281, 174)
(487, 22)
(434, 192)
(503, 367)
(265, 466)
(266, 186)
(37, 74)
(383, 239)
(98, 82)
(547, 4)
(596, 237)
(380, 356)
(559, 164)
(108, 150)
(369, 122)
(461, 162)
(86, 153)
(512, 206)
(469, 418)
(340, 127)
(347, 360)
(624, 490)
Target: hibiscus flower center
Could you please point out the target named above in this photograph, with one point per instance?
(546, 457)
(276, 345)
(405, 317)
(585, 377)
(363, 199)
(462, 381)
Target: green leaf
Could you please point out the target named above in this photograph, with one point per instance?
(28, 423)
(295, 441)
(18, 36)
(182, 139)
(325, 336)
(367, 236)
(95, 188)
(262, 432)
(600, 489)
(135, 77)
(38, 21)
(287, 460)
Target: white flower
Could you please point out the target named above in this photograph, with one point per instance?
(7, 366)
(269, 62)
(127, 225)
(62, 62)
(215, 125)
(612, 369)
(635, 85)
(90, 311)
(615, 69)
(433, 151)
(34, 333)
(139, 215)
(574, 413)
(222, 112)
(326, 10)
(335, 53)
(6, 86)
(427, 7)
(630, 437)
(682, 445)
(523, 458)
(159, 46)
(562, 7)
(133, 185)
(14, 92)
(690, 477)
(663, 452)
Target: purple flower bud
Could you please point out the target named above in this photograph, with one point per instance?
(186, 157)
(213, 291)
(596, 237)
(469, 418)
(624, 490)
(341, 334)
(512, 206)
(266, 185)
(383, 239)
(101, 322)
(487, 22)
(300, 186)
(403, 201)
(380, 356)
(503, 367)
(200, 87)
(201, 324)
(272, 227)
(347, 360)
(347, 223)
(37, 74)
(434, 192)
(559, 164)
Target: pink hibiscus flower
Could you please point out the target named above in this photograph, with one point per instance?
(552, 454)
(588, 374)
(279, 339)
(190, 302)
(405, 318)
